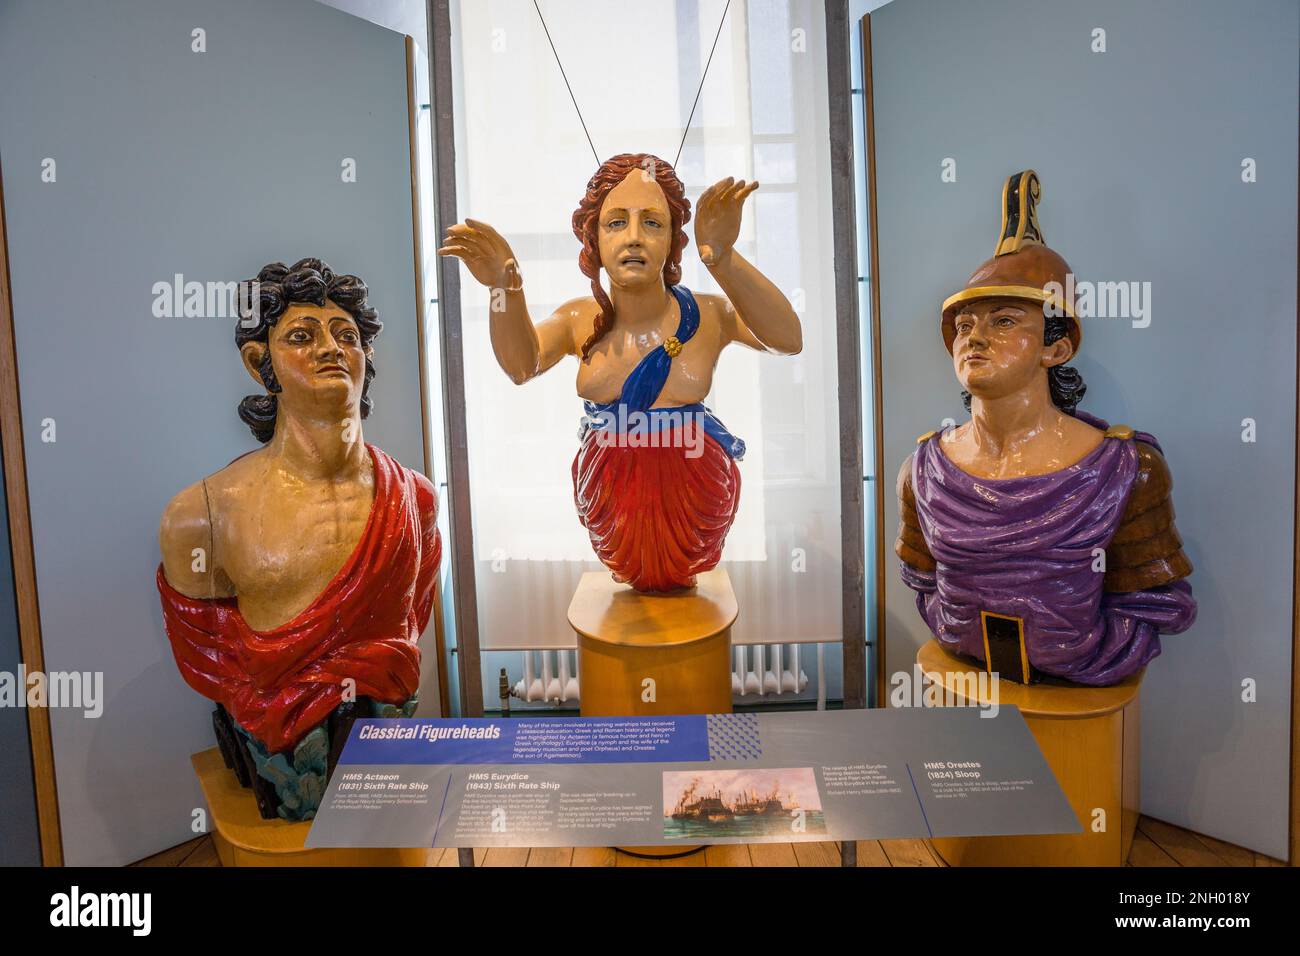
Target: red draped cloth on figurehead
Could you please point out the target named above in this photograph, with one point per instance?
(656, 517)
(281, 683)
(657, 496)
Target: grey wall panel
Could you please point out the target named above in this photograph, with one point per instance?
(1139, 150)
(171, 161)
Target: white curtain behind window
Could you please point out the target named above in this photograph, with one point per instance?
(523, 162)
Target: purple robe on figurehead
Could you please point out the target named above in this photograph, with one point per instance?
(1027, 548)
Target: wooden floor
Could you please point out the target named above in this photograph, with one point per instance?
(1155, 844)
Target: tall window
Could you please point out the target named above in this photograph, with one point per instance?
(523, 162)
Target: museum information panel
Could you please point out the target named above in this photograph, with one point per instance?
(731, 778)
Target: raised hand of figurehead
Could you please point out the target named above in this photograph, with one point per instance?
(485, 253)
(717, 218)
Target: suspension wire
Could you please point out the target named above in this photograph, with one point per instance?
(703, 76)
(566, 81)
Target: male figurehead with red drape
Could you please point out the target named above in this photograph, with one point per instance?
(296, 581)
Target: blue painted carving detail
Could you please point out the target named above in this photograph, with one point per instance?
(299, 784)
(393, 710)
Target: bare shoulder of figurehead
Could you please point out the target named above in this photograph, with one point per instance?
(186, 531)
(579, 317)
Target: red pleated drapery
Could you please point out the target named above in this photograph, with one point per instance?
(279, 684)
(657, 517)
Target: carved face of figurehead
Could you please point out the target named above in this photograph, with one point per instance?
(318, 359)
(998, 349)
(635, 231)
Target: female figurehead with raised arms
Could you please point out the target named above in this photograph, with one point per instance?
(655, 480)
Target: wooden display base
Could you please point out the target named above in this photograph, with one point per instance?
(1089, 737)
(243, 838)
(680, 641)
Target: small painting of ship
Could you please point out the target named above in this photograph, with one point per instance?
(709, 807)
(742, 805)
(751, 804)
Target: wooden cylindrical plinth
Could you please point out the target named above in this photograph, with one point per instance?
(243, 838)
(1089, 737)
(651, 654)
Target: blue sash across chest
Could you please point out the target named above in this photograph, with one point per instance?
(631, 413)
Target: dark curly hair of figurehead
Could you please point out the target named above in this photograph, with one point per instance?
(277, 286)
